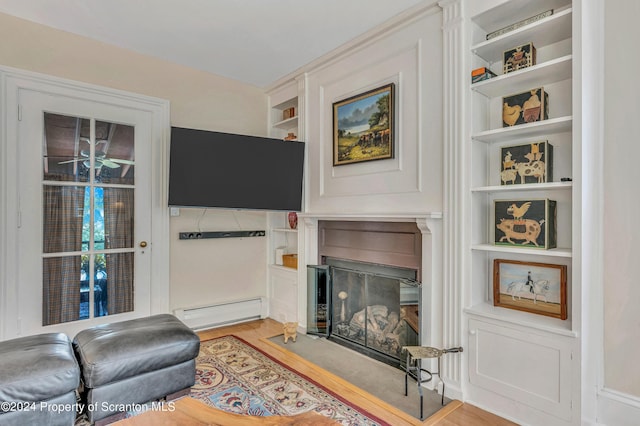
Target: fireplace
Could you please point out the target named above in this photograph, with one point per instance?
(366, 293)
(371, 308)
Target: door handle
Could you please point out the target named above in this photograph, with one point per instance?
(143, 244)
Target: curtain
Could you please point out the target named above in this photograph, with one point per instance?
(62, 231)
(118, 223)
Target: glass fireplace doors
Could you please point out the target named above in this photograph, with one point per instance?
(370, 308)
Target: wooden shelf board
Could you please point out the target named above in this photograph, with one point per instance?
(504, 134)
(524, 187)
(552, 71)
(525, 319)
(285, 230)
(287, 124)
(552, 29)
(557, 252)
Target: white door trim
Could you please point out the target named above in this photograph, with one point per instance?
(11, 82)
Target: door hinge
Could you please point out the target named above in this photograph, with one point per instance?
(19, 219)
(19, 112)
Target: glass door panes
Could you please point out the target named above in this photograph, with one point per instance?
(88, 218)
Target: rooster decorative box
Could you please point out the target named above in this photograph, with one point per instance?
(528, 163)
(526, 223)
(526, 107)
(518, 58)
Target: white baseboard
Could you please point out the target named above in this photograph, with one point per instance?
(617, 409)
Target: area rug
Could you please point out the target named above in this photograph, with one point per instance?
(235, 376)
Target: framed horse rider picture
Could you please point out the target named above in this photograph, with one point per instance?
(539, 288)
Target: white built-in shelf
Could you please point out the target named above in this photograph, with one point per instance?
(285, 230)
(524, 187)
(552, 29)
(286, 269)
(289, 123)
(552, 71)
(505, 134)
(531, 321)
(557, 252)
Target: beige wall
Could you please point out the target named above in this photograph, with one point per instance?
(204, 271)
(621, 198)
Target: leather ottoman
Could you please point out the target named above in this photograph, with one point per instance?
(39, 376)
(133, 362)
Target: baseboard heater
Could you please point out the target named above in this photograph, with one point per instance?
(225, 313)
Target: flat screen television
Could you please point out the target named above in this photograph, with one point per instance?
(224, 170)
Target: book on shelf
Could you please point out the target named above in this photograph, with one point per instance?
(480, 74)
(519, 24)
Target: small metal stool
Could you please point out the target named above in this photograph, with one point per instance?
(415, 355)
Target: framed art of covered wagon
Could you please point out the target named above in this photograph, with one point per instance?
(363, 126)
(539, 288)
(526, 223)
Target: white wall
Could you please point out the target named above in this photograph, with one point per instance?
(621, 199)
(410, 57)
(204, 271)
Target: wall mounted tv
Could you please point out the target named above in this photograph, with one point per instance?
(212, 169)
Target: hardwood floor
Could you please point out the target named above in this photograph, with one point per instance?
(191, 412)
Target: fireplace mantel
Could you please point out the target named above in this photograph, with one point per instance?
(378, 217)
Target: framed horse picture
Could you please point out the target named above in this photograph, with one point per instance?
(539, 288)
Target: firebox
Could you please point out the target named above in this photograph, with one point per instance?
(371, 308)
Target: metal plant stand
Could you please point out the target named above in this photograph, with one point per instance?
(415, 355)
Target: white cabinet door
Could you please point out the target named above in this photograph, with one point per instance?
(529, 368)
(283, 297)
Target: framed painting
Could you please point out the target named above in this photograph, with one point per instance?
(539, 288)
(363, 126)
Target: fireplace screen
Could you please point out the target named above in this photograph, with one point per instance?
(372, 307)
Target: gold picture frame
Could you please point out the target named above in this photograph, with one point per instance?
(539, 288)
(363, 126)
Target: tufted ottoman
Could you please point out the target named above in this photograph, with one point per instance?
(132, 362)
(38, 380)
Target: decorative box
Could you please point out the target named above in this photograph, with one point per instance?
(528, 163)
(290, 261)
(526, 223)
(518, 58)
(480, 74)
(526, 107)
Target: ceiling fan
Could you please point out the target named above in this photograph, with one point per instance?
(100, 159)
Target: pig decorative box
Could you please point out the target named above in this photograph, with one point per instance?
(526, 223)
(519, 57)
(526, 107)
(528, 163)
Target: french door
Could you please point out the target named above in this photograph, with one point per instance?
(84, 204)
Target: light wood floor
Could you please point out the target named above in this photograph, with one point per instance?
(191, 412)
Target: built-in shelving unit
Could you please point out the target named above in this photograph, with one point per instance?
(492, 330)
(284, 123)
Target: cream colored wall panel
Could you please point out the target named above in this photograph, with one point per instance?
(621, 233)
(410, 57)
(213, 270)
(533, 370)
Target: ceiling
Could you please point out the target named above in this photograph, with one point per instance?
(253, 41)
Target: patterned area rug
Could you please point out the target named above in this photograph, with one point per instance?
(234, 376)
